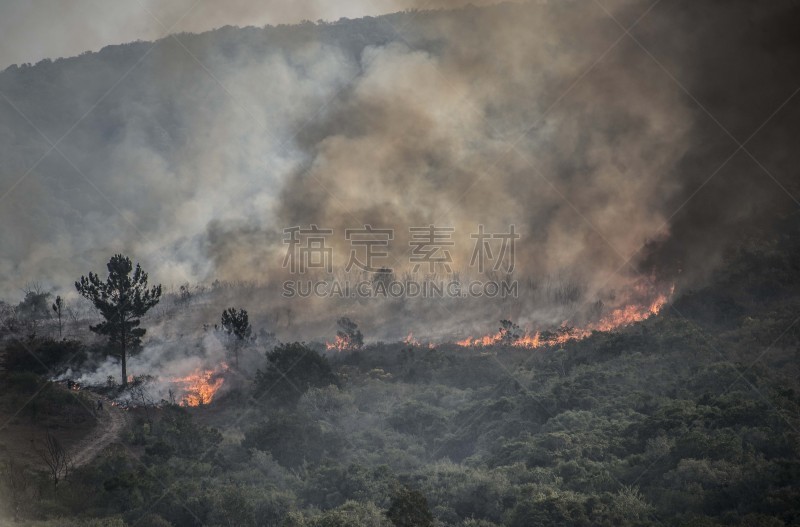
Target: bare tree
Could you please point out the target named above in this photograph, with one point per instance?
(56, 458)
(139, 393)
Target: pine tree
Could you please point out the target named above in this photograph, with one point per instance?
(122, 300)
(236, 325)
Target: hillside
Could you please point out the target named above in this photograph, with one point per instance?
(689, 418)
(204, 238)
(196, 151)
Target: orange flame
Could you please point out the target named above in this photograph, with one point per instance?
(617, 318)
(339, 344)
(201, 386)
(410, 340)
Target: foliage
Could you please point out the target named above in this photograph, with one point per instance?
(122, 299)
(236, 325)
(35, 305)
(176, 433)
(680, 420)
(292, 369)
(409, 508)
(43, 356)
(291, 439)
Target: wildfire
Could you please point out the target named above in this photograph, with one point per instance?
(410, 340)
(629, 314)
(201, 386)
(617, 318)
(339, 344)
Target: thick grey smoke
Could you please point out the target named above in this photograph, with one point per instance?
(541, 115)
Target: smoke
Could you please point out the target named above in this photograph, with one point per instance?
(170, 361)
(39, 29)
(539, 115)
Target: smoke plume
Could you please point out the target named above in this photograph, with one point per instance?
(605, 151)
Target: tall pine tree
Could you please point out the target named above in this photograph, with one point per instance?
(122, 299)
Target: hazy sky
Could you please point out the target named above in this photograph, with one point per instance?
(31, 30)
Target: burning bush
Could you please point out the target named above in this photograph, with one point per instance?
(348, 337)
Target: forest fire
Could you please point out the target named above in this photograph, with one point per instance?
(411, 340)
(616, 318)
(201, 386)
(340, 343)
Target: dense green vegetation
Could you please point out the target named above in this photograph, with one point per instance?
(690, 418)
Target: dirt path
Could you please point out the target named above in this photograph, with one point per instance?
(111, 422)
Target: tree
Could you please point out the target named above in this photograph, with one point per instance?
(348, 336)
(142, 397)
(122, 300)
(236, 325)
(409, 508)
(58, 308)
(509, 332)
(34, 306)
(292, 369)
(42, 356)
(291, 438)
(56, 458)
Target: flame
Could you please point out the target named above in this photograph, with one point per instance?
(617, 318)
(630, 314)
(339, 344)
(200, 386)
(410, 340)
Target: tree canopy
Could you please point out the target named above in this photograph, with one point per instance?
(292, 369)
(122, 299)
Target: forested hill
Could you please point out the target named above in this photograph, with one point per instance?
(133, 120)
(192, 151)
(148, 86)
(57, 93)
(687, 419)
(190, 154)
